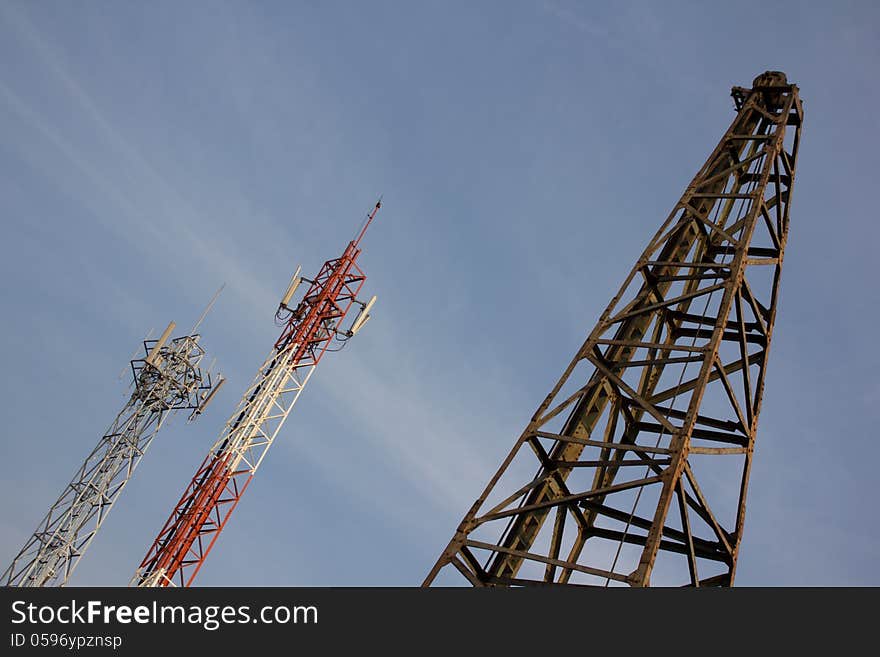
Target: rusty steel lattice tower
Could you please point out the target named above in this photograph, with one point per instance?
(645, 444)
(169, 377)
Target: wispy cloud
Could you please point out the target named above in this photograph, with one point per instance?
(144, 208)
(222, 146)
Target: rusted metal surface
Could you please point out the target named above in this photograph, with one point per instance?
(667, 413)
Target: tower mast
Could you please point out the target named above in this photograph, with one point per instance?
(206, 505)
(166, 379)
(661, 403)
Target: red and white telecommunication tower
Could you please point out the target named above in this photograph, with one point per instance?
(310, 328)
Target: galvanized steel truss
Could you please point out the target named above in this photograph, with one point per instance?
(167, 379)
(659, 408)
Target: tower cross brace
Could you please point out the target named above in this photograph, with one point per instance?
(634, 470)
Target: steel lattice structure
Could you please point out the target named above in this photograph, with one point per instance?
(186, 539)
(659, 407)
(167, 379)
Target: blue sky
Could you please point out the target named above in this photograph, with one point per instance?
(526, 152)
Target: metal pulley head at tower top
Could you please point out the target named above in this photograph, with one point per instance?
(771, 85)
